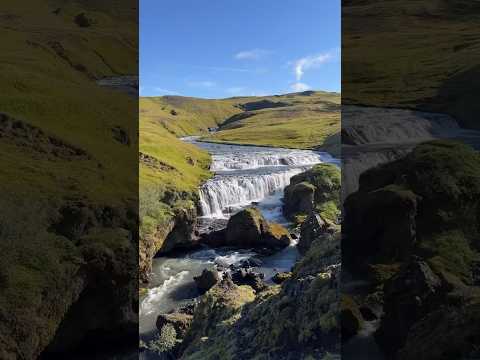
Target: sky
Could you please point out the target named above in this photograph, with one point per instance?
(225, 48)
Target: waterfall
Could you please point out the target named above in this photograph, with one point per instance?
(245, 161)
(221, 193)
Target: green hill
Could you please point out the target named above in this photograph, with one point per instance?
(69, 179)
(430, 64)
(299, 120)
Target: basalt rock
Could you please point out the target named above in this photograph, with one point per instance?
(350, 316)
(408, 297)
(248, 228)
(279, 278)
(206, 280)
(316, 189)
(176, 232)
(314, 227)
(249, 277)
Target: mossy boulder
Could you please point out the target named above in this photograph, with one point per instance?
(314, 227)
(426, 203)
(350, 316)
(408, 296)
(281, 277)
(248, 228)
(179, 321)
(207, 279)
(218, 309)
(316, 189)
(299, 198)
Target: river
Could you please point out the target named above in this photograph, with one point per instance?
(244, 175)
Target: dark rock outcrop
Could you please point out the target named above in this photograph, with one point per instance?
(350, 316)
(408, 297)
(279, 278)
(206, 280)
(176, 232)
(314, 227)
(249, 277)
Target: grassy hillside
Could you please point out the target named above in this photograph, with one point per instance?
(300, 120)
(185, 115)
(428, 58)
(69, 163)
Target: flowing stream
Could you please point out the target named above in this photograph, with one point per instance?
(244, 175)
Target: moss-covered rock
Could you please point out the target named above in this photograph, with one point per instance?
(206, 280)
(297, 320)
(426, 203)
(316, 189)
(181, 322)
(350, 316)
(248, 228)
(279, 278)
(314, 227)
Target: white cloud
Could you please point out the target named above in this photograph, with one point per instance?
(204, 84)
(253, 54)
(309, 62)
(298, 87)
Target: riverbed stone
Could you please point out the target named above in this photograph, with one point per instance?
(249, 277)
(248, 228)
(314, 227)
(206, 280)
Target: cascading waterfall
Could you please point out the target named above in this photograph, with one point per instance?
(245, 161)
(224, 192)
(247, 174)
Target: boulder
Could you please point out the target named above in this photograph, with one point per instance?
(447, 333)
(248, 277)
(314, 227)
(380, 226)
(299, 198)
(206, 280)
(248, 228)
(408, 297)
(251, 262)
(179, 321)
(280, 277)
(351, 317)
(315, 189)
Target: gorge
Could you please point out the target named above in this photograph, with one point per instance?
(243, 175)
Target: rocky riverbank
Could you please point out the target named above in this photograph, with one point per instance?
(411, 239)
(243, 316)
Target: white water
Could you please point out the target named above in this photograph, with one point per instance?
(263, 158)
(225, 194)
(247, 174)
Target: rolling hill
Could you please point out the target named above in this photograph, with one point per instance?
(69, 173)
(300, 120)
(429, 65)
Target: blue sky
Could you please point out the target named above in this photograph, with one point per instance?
(224, 48)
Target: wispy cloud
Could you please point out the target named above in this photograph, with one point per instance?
(203, 84)
(253, 54)
(313, 61)
(298, 87)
